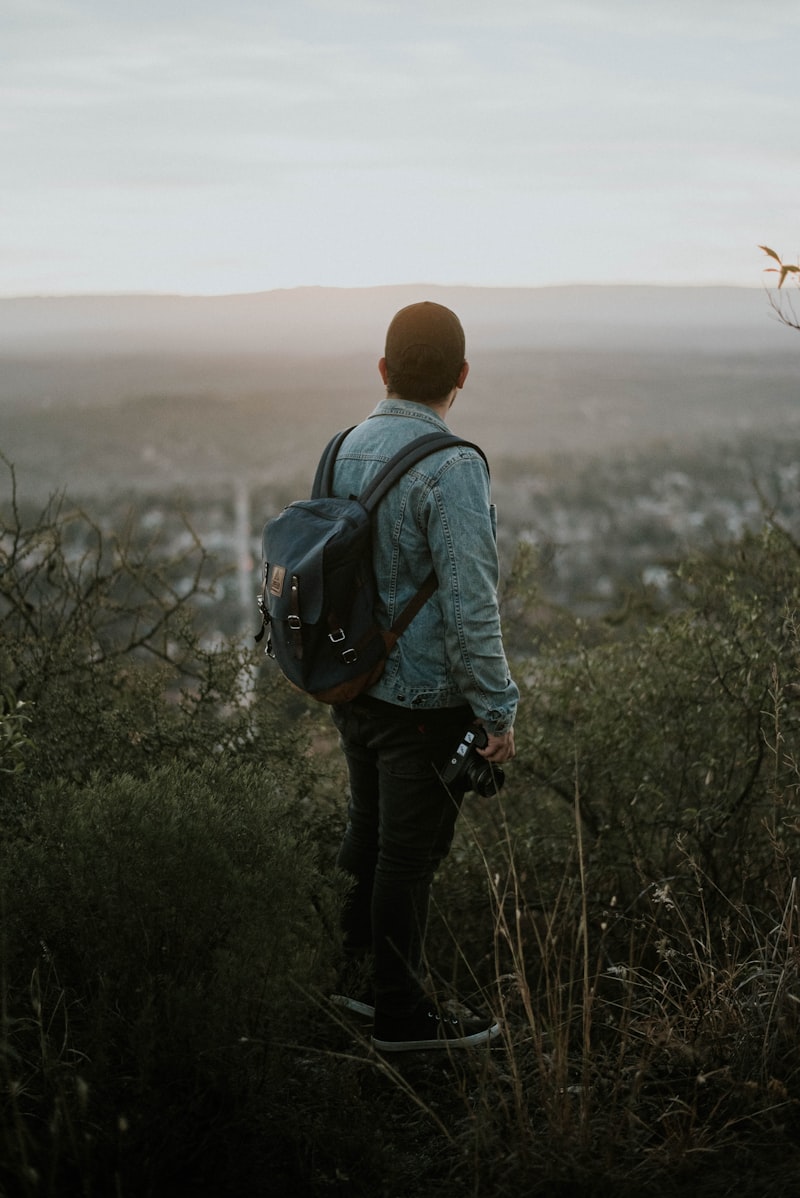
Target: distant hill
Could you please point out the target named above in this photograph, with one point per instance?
(312, 321)
(105, 393)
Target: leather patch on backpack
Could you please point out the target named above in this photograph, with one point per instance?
(277, 576)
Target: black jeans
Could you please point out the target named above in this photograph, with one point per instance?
(400, 827)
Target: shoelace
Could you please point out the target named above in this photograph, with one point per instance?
(442, 1018)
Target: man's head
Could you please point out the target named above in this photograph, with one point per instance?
(424, 356)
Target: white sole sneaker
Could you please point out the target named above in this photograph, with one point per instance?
(448, 1033)
(354, 1004)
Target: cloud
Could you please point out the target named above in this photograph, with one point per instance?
(360, 136)
(743, 20)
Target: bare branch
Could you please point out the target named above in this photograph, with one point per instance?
(782, 304)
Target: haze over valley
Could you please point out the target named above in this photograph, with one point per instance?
(622, 423)
(109, 392)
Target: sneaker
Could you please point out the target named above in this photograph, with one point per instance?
(361, 1003)
(430, 1027)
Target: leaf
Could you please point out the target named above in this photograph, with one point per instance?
(771, 253)
(786, 270)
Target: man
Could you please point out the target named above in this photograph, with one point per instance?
(447, 672)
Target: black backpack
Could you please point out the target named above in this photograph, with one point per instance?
(318, 598)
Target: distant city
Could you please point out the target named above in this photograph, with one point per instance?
(625, 426)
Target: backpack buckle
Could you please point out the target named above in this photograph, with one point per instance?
(349, 656)
(295, 623)
(337, 636)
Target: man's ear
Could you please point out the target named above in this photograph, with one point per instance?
(383, 372)
(462, 378)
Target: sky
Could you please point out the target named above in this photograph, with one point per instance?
(223, 146)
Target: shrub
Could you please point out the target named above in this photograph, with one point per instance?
(14, 744)
(630, 901)
(104, 656)
(162, 937)
(680, 740)
(629, 905)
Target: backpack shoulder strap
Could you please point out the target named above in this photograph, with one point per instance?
(386, 477)
(402, 461)
(391, 471)
(407, 457)
(323, 478)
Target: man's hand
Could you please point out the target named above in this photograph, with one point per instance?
(500, 748)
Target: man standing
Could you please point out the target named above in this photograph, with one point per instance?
(447, 672)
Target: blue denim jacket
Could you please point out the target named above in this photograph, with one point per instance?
(438, 514)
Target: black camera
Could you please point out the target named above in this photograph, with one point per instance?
(467, 766)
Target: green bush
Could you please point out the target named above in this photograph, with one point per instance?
(628, 905)
(163, 937)
(680, 740)
(14, 743)
(630, 902)
(104, 656)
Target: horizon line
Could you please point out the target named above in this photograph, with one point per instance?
(319, 287)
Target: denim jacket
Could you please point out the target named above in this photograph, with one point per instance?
(439, 514)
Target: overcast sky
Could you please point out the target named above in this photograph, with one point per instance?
(216, 146)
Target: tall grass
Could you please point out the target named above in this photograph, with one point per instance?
(628, 908)
(646, 1046)
(643, 1049)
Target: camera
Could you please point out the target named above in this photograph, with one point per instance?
(467, 766)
